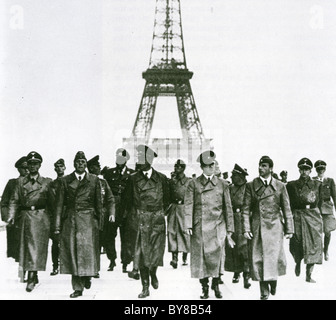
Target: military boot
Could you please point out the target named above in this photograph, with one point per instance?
(326, 247)
(144, 273)
(298, 269)
(205, 288)
(247, 283)
(173, 263)
(31, 281)
(215, 287)
(184, 258)
(309, 271)
(154, 279)
(236, 277)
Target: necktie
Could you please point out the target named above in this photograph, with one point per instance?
(79, 178)
(266, 183)
(33, 181)
(146, 175)
(209, 180)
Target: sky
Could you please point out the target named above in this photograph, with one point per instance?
(264, 79)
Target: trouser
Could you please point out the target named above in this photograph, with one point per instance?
(78, 282)
(107, 240)
(55, 253)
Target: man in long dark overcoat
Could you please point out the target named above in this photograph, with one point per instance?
(305, 199)
(59, 167)
(178, 240)
(12, 229)
(108, 230)
(147, 195)
(30, 203)
(236, 258)
(80, 194)
(267, 199)
(208, 220)
(328, 204)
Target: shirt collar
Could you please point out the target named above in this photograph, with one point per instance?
(148, 173)
(207, 177)
(268, 180)
(80, 175)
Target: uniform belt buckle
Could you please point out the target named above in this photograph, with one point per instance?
(307, 206)
(32, 208)
(238, 210)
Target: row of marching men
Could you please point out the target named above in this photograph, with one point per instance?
(238, 227)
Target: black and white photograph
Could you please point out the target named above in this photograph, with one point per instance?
(168, 150)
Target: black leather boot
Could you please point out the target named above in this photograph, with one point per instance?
(273, 286)
(154, 279)
(326, 247)
(215, 287)
(309, 271)
(298, 269)
(124, 268)
(173, 263)
(184, 258)
(31, 281)
(111, 266)
(236, 277)
(247, 283)
(264, 290)
(144, 274)
(205, 288)
(134, 274)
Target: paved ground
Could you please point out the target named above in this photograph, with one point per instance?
(175, 284)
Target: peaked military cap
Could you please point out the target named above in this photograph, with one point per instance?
(266, 159)
(238, 169)
(283, 173)
(60, 162)
(20, 162)
(180, 163)
(141, 148)
(93, 161)
(206, 157)
(80, 155)
(34, 156)
(121, 152)
(305, 163)
(320, 164)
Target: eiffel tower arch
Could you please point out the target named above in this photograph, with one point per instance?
(168, 75)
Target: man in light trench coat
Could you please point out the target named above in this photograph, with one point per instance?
(208, 220)
(80, 194)
(267, 199)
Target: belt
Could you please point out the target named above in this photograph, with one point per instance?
(32, 208)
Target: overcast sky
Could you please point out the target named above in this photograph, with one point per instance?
(264, 79)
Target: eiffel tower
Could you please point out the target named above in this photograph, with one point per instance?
(168, 75)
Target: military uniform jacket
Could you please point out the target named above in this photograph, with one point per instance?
(305, 200)
(267, 214)
(148, 199)
(117, 180)
(178, 240)
(328, 194)
(30, 204)
(208, 213)
(108, 202)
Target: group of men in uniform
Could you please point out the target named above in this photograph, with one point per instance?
(237, 227)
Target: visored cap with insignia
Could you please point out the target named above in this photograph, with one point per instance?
(145, 151)
(21, 162)
(305, 163)
(59, 162)
(33, 156)
(320, 164)
(80, 155)
(206, 158)
(266, 159)
(121, 152)
(181, 163)
(93, 161)
(239, 170)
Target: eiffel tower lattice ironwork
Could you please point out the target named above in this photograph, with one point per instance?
(168, 75)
